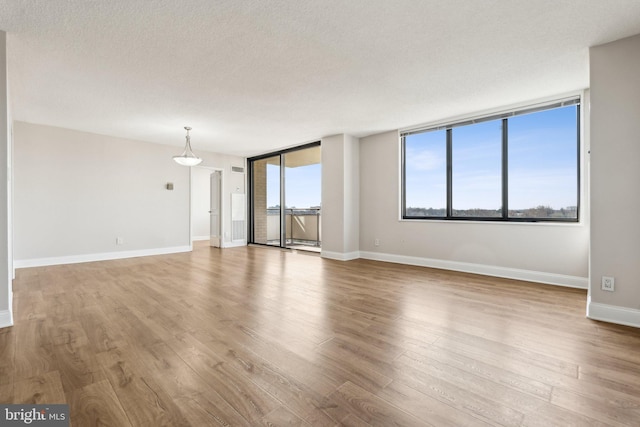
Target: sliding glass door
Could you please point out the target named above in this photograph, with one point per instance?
(285, 198)
(265, 205)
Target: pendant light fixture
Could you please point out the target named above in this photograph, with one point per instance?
(187, 158)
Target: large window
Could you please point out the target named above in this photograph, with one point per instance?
(518, 166)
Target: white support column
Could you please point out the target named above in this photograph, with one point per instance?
(340, 197)
(6, 255)
(615, 200)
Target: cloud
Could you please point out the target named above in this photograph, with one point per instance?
(424, 160)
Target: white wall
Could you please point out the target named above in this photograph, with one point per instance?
(6, 268)
(76, 192)
(615, 176)
(549, 253)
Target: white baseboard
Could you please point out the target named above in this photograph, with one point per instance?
(6, 318)
(234, 244)
(613, 314)
(106, 256)
(340, 256)
(487, 270)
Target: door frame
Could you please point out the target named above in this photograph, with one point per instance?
(220, 235)
(251, 191)
(223, 204)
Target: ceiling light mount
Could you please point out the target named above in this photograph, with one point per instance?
(187, 158)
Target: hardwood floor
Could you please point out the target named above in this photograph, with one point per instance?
(254, 336)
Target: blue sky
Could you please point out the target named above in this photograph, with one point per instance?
(542, 163)
(303, 186)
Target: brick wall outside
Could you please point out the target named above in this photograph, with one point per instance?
(260, 201)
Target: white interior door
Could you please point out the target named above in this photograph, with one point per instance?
(215, 238)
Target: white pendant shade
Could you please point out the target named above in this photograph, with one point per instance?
(187, 158)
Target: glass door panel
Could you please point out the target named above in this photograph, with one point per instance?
(266, 201)
(302, 184)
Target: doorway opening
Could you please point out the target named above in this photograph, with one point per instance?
(285, 198)
(206, 205)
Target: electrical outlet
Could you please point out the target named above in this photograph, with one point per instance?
(608, 283)
(119, 240)
(376, 242)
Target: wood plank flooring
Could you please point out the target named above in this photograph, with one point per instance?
(255, 336)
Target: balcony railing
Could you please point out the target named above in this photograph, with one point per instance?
(302, 226)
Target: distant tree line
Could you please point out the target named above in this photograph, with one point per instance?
(536, 212)
(545, 212)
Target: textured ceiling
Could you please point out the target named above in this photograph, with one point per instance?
(252, 76)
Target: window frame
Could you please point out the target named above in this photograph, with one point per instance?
(503, 116)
